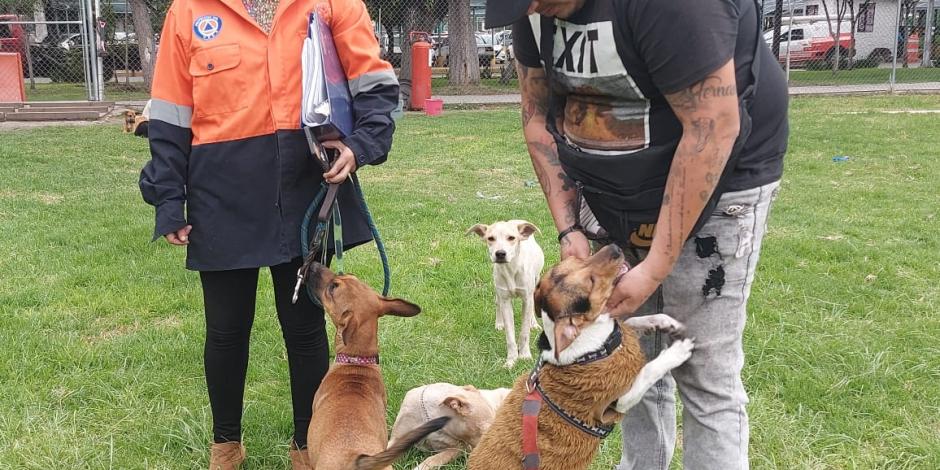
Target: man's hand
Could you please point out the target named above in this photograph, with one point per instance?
(575, 244)
(343, 165)
(179, 237)
(631, 291)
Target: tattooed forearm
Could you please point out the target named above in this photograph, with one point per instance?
(703, 128)
(709, 114)
(558, 188)
(545, 150)
(571, 212)
(567, 184)
(545, 180)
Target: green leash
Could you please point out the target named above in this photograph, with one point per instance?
(325, 204)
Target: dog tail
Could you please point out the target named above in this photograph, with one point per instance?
(400, 446)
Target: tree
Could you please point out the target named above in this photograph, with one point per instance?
(143, 27)
(463, 62)
(842, 7)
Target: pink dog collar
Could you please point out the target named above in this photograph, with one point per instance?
(357, 360)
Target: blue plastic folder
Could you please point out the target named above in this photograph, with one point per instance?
(327, 105)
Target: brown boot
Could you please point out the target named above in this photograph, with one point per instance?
(226, 456)
(298, 457)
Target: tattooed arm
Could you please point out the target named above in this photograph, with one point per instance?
(708, 111)
(557, 186)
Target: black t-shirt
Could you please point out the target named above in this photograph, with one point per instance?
(616, 59)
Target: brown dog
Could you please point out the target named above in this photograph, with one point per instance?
(130, 121)
(593, 371)
(348, 429)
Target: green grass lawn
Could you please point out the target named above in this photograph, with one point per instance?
(862, 76)
(101, 331)
(76, 91)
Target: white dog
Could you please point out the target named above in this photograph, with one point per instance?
(517, 264)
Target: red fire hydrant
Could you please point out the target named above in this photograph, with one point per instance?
(420, 69)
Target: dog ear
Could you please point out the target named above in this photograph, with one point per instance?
(343, 326)
(526, 229)
(459, 405)
(479, 229)
(400, 308)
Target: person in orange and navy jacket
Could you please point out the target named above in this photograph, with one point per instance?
(231, 175)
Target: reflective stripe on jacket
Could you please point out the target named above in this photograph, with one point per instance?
(227, 153)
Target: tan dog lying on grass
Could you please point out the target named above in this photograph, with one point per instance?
(471, 412)
(348, 430)
(591, 372)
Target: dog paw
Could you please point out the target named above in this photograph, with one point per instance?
(660, 322)
(534, 326)
(500, 326)
(525, 354)
(678, 352)
(510, 362)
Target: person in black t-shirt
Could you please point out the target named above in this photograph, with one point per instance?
(661, 125)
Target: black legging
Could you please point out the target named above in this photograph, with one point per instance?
(230, 309)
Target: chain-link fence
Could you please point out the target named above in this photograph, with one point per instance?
(73, 49)
(840, 43)
(854, 42)
(465, 57)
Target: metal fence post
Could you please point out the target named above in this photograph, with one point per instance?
(90, 51)
(894, 59)
(99, 61)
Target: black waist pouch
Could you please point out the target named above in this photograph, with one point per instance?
(625, 191)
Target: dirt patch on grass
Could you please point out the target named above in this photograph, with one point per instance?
(115, 332)
(112, 332)
(45, 198)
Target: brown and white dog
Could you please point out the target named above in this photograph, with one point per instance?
(584, 373)
(471, 413)
(348, 429)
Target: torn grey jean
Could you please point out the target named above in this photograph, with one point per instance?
(708, 292)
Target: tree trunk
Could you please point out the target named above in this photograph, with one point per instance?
(834, 35)
(852, 30)
(144, 30)
(463, 66)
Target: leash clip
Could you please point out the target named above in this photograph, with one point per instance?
(300, 281)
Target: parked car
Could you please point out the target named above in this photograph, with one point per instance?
(393, 54)
(59, 58)
(811, 44)
(485, 49)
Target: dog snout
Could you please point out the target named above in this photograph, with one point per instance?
(614, 251)
(318, 276)
(500, 256)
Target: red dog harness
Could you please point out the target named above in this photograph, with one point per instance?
(530, 428)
